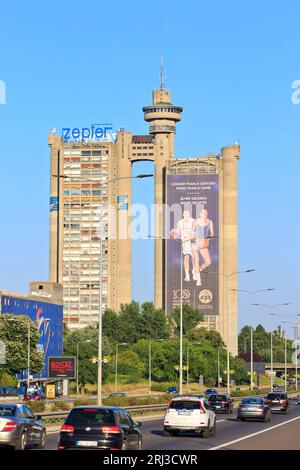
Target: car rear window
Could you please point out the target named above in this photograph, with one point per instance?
(252, 401)
(91, 415)
(276, 396)
(184, 405)
(218, 397)
(7, 411)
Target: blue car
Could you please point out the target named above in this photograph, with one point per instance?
(211, 391)
(172, 390)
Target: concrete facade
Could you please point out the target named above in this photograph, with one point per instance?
(74, 220)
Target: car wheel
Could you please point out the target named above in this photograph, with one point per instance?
(167, 433)
(42, 440)
(206, 432)
(22, 442)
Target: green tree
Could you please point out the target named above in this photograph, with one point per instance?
(190, 319)
(110, 325)
(87, 351)
(154, 323)
(14, 334)
(128, 323)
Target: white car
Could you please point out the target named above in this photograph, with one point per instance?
(189, 414)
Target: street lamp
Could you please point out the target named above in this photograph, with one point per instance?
(219, 372)
(252, 293)
(77, 365)
(270, 308)
(100, 357)
(150, 361)
(116, 372)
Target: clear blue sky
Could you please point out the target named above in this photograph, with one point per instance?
(229, 64)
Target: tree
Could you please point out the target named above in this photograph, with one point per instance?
(154, 323)
(191, 318)
(87, 351)
(14, 334)
(128, 323)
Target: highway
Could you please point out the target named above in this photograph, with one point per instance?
(282, 433)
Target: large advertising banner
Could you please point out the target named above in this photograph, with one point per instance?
(49, 320)
(191, 230)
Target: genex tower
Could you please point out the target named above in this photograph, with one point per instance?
(195, 221)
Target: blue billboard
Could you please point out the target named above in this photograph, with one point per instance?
(49, 320)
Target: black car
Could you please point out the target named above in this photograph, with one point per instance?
(221, 403)
(100, 427)
(253, 408)
(278, 401)
(20, 428)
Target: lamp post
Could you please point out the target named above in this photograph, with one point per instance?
(100, 357)
(271, 314)
(77, 365)
(252, 294)
(150, 361)
(116, 370)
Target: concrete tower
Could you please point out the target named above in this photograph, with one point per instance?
(162, 116)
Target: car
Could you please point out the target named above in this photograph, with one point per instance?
(275, 386)
(34, 396)
(189, 414)
(253, 408)
(172, 390)
(20, 428)
(210, 391)
(222, 403)
(100, 427)
(278, 401)
(298, 399)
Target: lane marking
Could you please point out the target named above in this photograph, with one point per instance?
(254, 434)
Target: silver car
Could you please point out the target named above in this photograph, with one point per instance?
(20, 428)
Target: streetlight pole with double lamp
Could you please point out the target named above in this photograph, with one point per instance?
(271, 314)
(252, 294)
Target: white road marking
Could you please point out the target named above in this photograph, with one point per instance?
(226, 444)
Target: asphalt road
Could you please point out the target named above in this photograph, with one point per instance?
(282, 433)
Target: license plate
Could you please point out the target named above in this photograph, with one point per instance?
(87, 443)
(184, 413)
(218, 406)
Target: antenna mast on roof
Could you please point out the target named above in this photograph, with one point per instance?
(162, 74)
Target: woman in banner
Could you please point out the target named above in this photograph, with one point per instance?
(184, 231)
(203, 230)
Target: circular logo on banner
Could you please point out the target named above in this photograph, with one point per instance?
(205, 296)
(185, 294)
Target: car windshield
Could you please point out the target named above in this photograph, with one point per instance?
(7, 411)
(184, 405)
(252, 401)
(91, 415)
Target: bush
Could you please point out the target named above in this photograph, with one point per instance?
(84, 402)
(60, 406)
(134, 401)
(36, 406)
